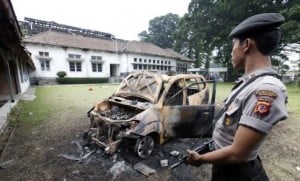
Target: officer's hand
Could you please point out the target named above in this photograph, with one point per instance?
(193, 158)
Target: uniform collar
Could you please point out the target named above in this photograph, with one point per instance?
(246, 77)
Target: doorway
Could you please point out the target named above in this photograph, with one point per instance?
(114, 70)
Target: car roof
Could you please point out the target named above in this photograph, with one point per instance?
(146, 85)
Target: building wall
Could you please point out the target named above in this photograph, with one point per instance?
(58, 58)
(112, 62)
(147, 63)
(23, 76)
(19, 77)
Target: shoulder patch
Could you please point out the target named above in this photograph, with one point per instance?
(268, 93)
(262, 107)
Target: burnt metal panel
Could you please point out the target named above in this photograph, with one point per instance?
(188, 121)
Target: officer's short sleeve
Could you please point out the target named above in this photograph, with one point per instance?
(264, 107)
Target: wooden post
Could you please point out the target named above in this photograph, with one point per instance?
(5, 56)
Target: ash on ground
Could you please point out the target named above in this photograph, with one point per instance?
(125, 164)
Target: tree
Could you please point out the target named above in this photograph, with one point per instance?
(192, 37)
(291, 33)
(206, 26)
(161, 30)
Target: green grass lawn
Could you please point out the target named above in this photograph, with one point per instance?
(293, 105)
(44, 127)
(59, 98)
(80, 98)
(294, 98)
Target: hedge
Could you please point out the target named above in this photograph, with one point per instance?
(80, 80)
(61, 74)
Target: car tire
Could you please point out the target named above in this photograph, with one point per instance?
(144, 146)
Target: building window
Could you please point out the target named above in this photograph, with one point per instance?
(44, 54)
(74, 56)
(135, 59)
(96, 57)
(44, 59)
(45, 65)
(97, 67)
(75, 66)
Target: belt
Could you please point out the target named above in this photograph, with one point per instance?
(253, 161)
(248, 163)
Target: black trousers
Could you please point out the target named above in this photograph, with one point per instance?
(252, 171)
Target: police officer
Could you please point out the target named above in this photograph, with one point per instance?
(253, 108)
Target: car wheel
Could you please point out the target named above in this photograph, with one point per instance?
(144, 146)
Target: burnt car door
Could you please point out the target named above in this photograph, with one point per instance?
(194, 117)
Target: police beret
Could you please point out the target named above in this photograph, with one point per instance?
(258, 23)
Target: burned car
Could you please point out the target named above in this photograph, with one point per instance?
(150, 108)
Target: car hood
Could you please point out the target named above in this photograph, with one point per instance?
(146, 85)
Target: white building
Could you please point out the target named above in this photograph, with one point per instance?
(81, 56)
(293, 64)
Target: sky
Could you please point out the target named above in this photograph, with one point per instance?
(123, 18)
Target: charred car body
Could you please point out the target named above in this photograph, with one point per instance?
(149, 108)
